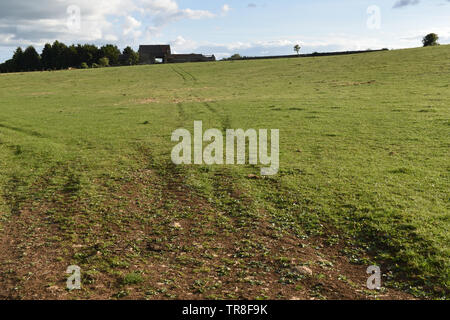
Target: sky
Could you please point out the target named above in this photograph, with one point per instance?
(225, 27)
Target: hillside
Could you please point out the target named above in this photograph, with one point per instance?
(86, 179)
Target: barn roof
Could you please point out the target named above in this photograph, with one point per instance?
(159, 50)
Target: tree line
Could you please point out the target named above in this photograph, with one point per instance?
(58, 56)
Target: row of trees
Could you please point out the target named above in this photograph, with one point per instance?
(58, 56)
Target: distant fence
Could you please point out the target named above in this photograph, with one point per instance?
(315, 54)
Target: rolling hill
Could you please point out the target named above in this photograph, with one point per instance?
(86, 179)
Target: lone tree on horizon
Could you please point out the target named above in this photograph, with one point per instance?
(430, 40)
(297, 49)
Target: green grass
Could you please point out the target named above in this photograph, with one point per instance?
(364, 142)
(132, 278)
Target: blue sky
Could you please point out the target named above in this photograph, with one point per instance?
(225, 27)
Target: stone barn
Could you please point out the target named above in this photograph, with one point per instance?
(193, 57)
(149, 53)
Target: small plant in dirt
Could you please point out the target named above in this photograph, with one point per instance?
(73, 184)
(121, 294)
(132, 278)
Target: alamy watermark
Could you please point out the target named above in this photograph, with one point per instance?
(74, 18)
(74, 280)
(235, 147)
(374, 281)
(374, 17)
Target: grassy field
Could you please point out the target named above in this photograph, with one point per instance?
(86, 179)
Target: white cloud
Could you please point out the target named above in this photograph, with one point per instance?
(132, 22)
(163, 12)
(196, 14)
(24, 22)
(111, 37)
(225, 9)
(131, 27)
(181, 45)
(161, 5)
(309, 44)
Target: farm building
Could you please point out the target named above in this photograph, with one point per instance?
(193, 57)
(149, 53)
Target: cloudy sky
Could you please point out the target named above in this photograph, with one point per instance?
(224, 27)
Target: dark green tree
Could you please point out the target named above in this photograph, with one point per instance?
(72, 56)
(47, 57)
(59, 57)
(8, 66)
(88, 53)
(112, 53)
(235, 56)
(31, 59)
(18, 60)
(103, 62)
(131, 57)
(430, 39)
